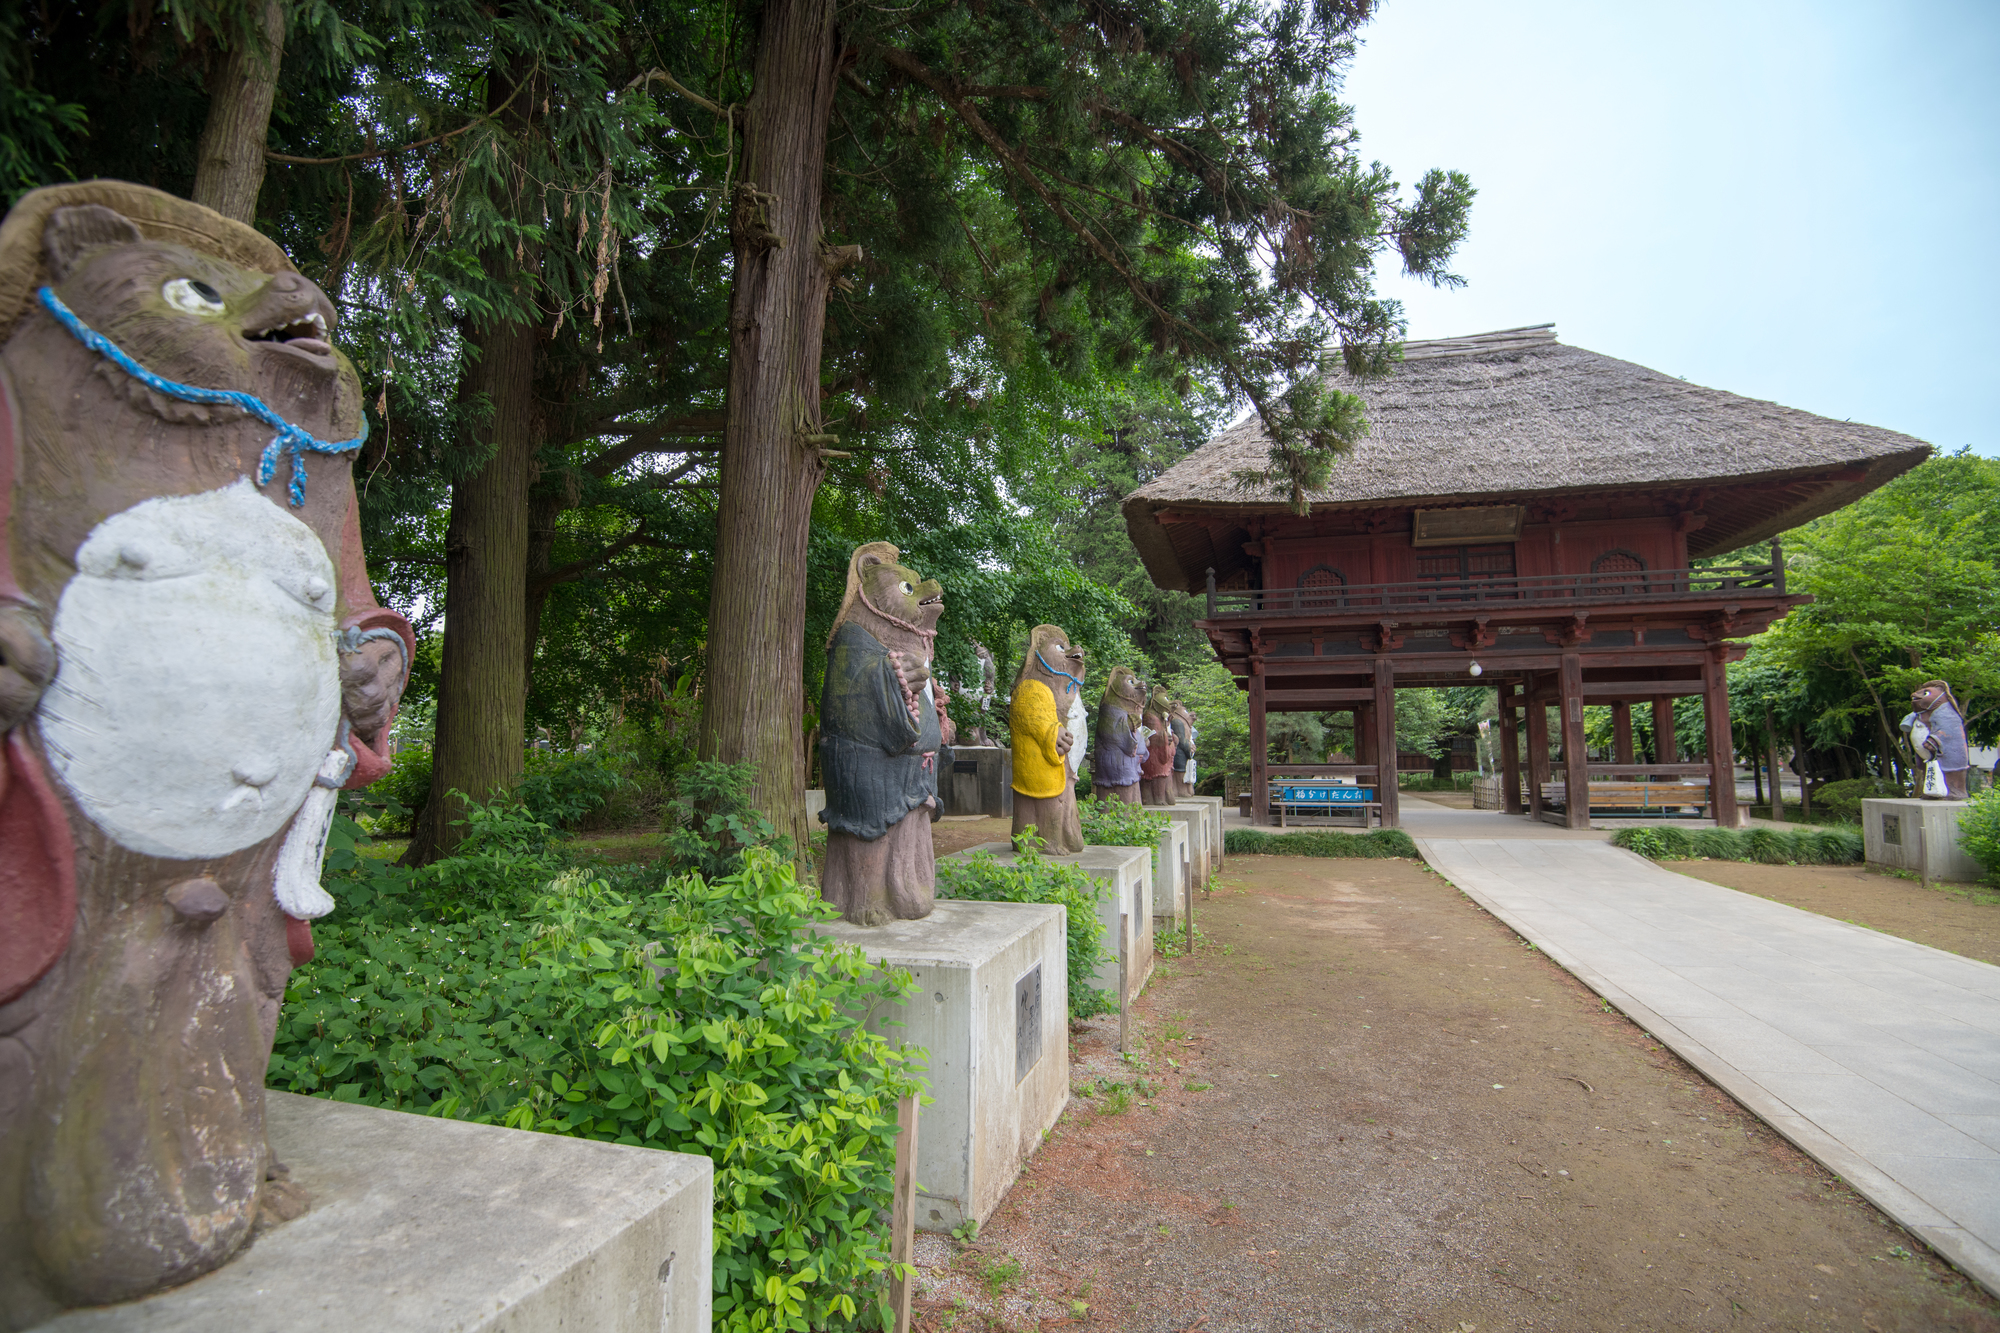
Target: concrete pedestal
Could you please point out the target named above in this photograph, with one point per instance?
(992, 1010)
(1175, 864)
(419, 1224)
(978, 781)
(1214, 804)
(1905, 833)
(1126, 912)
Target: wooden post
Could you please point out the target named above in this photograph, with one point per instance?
(1621, 731)
(1771, 742)
(903, 1217)
(1576, 757)
(1510, 754)
(1260, 752)
(1666, 750)
(1805, 772)
(1384, 736)
(1721, 755)
(1538, 749)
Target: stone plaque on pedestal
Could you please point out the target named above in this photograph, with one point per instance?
(978, 781)
(1904, 833)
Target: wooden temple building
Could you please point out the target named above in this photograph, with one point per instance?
(1522, 514)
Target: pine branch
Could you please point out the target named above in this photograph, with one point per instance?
(648, 439)
(576, 569)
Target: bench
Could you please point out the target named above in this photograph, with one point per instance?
(1637, 798)
(1334, 804)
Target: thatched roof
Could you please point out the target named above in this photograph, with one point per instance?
(1511, 416)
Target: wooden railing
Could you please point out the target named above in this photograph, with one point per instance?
(1511, 591)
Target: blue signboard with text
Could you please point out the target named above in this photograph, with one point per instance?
(1321, 793)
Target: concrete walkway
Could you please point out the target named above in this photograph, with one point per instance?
(1879, 1057)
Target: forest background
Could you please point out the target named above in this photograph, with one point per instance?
(1056, 248)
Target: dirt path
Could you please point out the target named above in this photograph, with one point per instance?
(1366, 1104)
(1958, 918)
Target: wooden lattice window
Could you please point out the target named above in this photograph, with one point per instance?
(1618, 562)
(1321, 577)
(1468, 567)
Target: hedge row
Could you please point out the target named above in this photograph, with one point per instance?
(1380, 843)
(1813, 847)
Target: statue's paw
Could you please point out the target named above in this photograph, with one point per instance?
(27, 663)
(872, 916)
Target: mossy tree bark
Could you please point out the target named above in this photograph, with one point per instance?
(229, 164)
(770, 456)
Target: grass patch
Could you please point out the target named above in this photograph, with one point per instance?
(1378, 844)
(1813, 847)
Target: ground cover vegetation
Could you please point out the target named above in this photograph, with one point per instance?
(1767, 846)
(1032, 878)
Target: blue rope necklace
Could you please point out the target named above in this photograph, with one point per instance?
(290, 439)
(1074, 684)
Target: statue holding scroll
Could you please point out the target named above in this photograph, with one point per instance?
(1051, 681)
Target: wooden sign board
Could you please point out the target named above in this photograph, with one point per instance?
(1460, 527)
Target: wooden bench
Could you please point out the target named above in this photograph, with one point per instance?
(1638, 798)
(1307, 808)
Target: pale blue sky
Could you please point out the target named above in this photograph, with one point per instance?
(1787, 200)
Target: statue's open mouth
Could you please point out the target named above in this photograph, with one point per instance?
(306, 334)
(935, 599)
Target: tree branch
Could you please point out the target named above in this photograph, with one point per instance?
(648, 439)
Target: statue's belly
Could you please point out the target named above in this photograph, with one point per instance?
(199, 685)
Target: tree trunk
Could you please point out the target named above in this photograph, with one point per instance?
(777, 316)
(482, 684)
(229, 164)
(483, 678)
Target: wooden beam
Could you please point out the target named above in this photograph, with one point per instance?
(1538, 755)
(1510, 752)
(903, 1216)
(1576, 774)
(1385, 742)
(1260, 755)
(1666, 748)
(1315, 698)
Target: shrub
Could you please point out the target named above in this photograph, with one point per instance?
(1843, 799)
(1033, 879)
(1828, 847)
(711, 822)
(693, 1015)
(1979, 830)
(1379, 843)
(401, 794)
(563, 790)
(1117, 824)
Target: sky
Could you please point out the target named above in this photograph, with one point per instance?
(1791, 201)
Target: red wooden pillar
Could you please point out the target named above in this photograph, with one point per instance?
(1576, 758)
(1621, 731)
(1364, 735)
(1665, 749)
(1510, 754)
(1260, 752)
(1721, 752)
(1538, 747)
(1384, 737)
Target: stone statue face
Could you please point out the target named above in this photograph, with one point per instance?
(1125, 690)
(1159, 702)
(903, 593)
(1050, 654)
(1927, 697)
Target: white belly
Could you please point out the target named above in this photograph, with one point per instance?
(199, 685)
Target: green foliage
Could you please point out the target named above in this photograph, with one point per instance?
(562, 790)
(1222, 721)
(1811, 847)
(1117, 824)
(1979, 831)
(1377, 844)
(713, 823)
(686, 1014)
(1034, 879)
(1422, 782)
(1843, 799)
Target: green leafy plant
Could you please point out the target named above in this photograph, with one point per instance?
(1843, 799)
(1034, 879)
(1979, 831)
(1380, 843)
(670, 1012)
(562, 790)
(966, 1232)
(712, 822)
(1818, 847)
(1117, 824)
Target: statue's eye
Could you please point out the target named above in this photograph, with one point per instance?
(192, 296)
(905, 586)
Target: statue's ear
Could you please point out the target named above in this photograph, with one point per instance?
(71, 233)
(870, 559)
